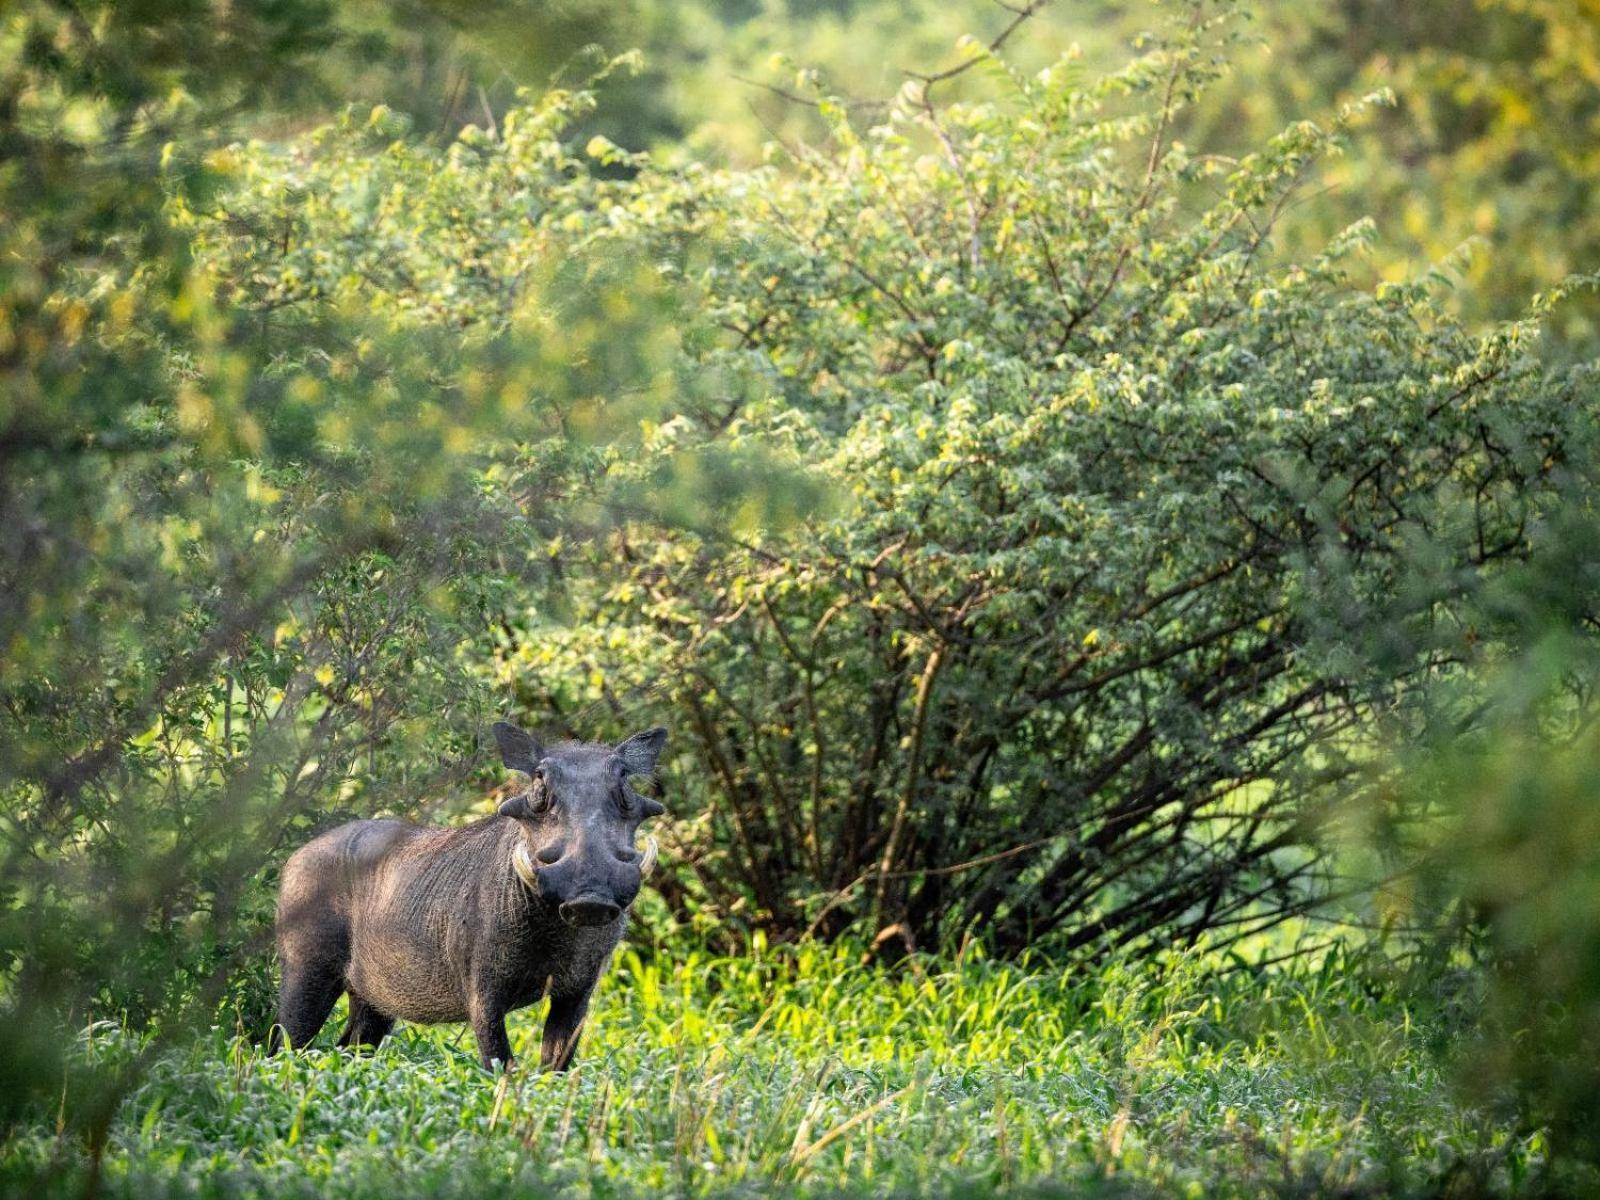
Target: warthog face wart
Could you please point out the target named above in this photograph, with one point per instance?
(579, 821)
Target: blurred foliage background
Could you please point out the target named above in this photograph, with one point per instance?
(1133, 486)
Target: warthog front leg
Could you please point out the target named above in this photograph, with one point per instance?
(562, 1028)
(306, 998)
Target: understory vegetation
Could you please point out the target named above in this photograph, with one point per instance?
(1105, 506)
(799, 1071)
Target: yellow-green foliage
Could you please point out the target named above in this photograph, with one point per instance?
(798, 1071)
(1111, 515)
(1007, 485)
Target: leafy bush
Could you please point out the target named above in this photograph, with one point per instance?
(240, 558)
(1091, 460)
(1488, 825)
(1109, 574)
(1524, 854)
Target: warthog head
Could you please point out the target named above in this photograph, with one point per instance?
(579, 818)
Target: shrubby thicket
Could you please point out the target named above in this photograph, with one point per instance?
(1488, 820)
(1031, 529)
(243, 559)
(1121, 538)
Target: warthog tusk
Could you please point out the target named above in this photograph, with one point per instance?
(649, 863)
(522, 864)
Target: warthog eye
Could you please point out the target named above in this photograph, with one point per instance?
(635, 804)
(539, 799)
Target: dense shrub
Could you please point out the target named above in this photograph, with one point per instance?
(1082, 646)
(1122, 532)
(1490, 829)
(239, 557)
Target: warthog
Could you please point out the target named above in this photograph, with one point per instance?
(426, 925)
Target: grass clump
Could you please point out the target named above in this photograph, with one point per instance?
(800, 1071)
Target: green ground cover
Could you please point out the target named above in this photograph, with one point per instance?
(802, 1072)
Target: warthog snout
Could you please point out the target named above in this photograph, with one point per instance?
(580, 886)
(589, 910)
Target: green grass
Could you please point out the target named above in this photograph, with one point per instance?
(802, 1072)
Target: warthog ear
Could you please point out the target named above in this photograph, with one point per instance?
(518, 750)
(639, 753)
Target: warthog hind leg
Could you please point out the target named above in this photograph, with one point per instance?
(367, 1026)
